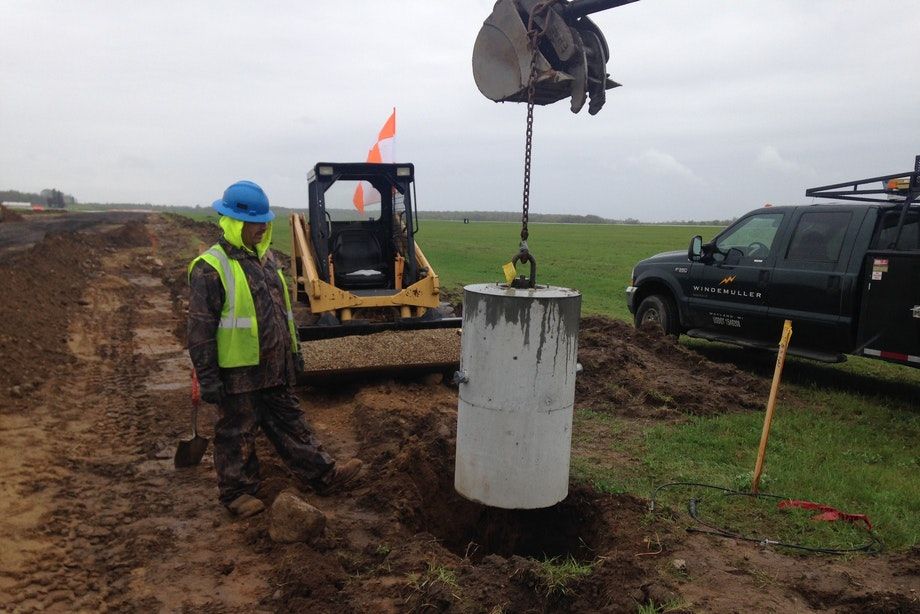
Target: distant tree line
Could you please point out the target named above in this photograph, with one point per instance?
(351, 214)
(513, 216)
(549, 218)
(698, 222)
(53, 198)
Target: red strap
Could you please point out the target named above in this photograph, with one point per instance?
(829, 514)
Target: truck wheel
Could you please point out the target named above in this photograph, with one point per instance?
(658, 309)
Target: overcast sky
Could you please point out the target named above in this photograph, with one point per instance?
(726, 104)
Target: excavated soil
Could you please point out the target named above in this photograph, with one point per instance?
(94, 517)
(643, 373)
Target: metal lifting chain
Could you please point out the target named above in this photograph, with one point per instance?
(533, 34)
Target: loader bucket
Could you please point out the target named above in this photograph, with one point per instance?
(357, 352)
(570, 62)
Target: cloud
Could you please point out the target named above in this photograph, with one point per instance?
(169, 102)
(660, 162)
(770, 159)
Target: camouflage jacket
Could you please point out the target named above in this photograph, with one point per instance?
(206, 300)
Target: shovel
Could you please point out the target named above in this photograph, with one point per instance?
(190, 451)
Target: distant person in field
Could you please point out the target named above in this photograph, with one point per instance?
(243, 344)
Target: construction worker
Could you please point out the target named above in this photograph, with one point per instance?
(243, 344)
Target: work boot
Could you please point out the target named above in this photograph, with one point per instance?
(339, 476)
(245, 506)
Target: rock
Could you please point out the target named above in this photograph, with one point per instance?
(433, 379)
(679, 565)
(637, 595)
(291, 519)
(659, 594)
(164, 453)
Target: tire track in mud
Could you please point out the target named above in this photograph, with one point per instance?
(91, 439)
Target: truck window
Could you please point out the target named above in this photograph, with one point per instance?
(753, 235)
(888, 230)
(819, 236)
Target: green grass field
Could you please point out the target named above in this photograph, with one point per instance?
(845, 435)
(594, 259)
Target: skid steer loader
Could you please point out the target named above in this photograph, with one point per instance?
(368, 300)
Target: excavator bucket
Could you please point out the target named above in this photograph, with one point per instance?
(571, 59)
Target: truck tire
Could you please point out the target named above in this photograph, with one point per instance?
(658, 309)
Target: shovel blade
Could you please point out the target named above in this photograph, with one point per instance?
(190, 452)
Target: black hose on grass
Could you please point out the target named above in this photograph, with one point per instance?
(873, 545)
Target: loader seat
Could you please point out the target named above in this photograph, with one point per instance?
(358, 259)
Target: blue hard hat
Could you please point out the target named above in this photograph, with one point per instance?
(246, 201)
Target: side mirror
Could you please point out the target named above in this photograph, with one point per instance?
(695, 250)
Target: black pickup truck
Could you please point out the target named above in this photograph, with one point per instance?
(846, 274)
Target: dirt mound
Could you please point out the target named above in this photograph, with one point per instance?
(41, 289)
(8, 215)
(206, 231)
(644, 373)
(132, 234)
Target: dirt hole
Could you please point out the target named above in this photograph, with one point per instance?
(474, 531)
(560, 531)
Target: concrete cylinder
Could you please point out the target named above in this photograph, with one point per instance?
(519, 351)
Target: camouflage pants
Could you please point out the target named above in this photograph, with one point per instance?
(277, 412)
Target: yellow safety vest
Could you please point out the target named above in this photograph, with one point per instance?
(238, 330)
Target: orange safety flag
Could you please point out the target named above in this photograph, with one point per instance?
(383, 152)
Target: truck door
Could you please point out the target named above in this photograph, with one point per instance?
(810, 277)
(729, 291)
(889, 322)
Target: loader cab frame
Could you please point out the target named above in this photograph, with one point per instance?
(366, 254)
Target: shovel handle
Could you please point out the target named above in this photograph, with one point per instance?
(196, 402)
(196, 389)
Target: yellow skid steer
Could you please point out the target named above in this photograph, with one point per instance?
(368, 300)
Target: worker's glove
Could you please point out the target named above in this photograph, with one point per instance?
(212, 393)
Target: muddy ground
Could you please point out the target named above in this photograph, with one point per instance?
(94, 395)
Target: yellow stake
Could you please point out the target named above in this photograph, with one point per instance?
(771, 403)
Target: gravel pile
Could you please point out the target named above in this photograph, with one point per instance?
(391, 348)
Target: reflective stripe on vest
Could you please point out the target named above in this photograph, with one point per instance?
(229, 278)
(237, 331)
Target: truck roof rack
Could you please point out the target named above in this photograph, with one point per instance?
(897, 188)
